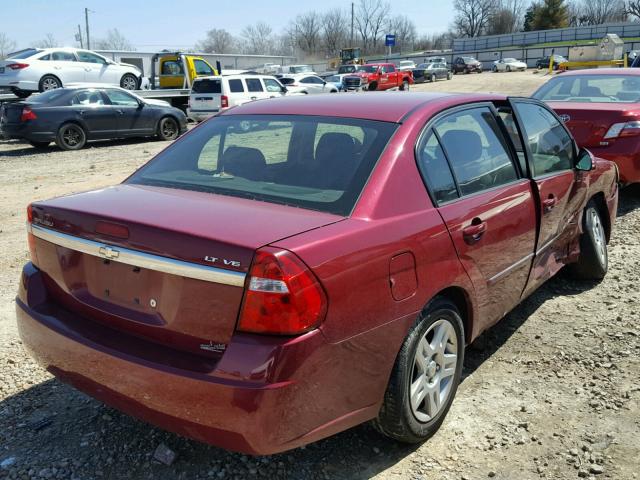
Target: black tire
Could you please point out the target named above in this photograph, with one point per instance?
(21, 93)
(405, 86)
(495, 69)
(372, 86)
(432, 78)
(593, 262)
(71, 136)
(538, 66)
(39, 144)
(455, 72)
(49, 82)
(508, 68)
(129, 82)
(396, 418)
(168, 129)
(449, 76)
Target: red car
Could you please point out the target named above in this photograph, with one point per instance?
(295, 267)
(378, 76)
(601, 107)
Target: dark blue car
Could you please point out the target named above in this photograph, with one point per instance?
(72, 116)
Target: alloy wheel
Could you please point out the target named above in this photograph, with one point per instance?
(598, 235)
(434, 369)
(49, 83)
(71, 136)
(129, 82)
(169, 128)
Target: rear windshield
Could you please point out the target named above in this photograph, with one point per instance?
(318, 163)
(30, 52)
(49, 96)
(591, 88)
(207, 86)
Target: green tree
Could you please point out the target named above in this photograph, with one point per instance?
(550, 14)
(529, 16)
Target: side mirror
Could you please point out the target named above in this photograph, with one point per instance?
(284, 89)
(584, 162)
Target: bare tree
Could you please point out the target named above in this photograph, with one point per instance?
(306, 29)
(258, 38)
(603, 11)
(6, 45)
(632, 8)
(501, 21)
(370, 18)
(113, 41)
(472, 16)
(218, 40)
(404, 29)
(48, 41)
(517, 8)
(334, 31)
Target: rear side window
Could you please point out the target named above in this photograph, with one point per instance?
(550, 144)
(63, 57)
(476, 150)
(254, 85)
(207, 85)
(319, 163)
(435, 169)
(235, 86)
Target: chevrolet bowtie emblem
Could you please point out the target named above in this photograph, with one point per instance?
(108, 252)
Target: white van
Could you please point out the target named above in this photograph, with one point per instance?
(210, 95)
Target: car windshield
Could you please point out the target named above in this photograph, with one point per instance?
(424, 65)
(287, 80)
(510, 60)
(591, 88)
(48, 96)
(368, 68)
(318, 163)
(30, 52)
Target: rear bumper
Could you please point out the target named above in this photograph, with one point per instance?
(12, 83)
(24, 131)
(263, 396)
(200, 115)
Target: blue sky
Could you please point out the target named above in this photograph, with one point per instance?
(179, 24)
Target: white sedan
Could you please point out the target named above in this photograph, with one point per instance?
(508, 65)
(38, 70)
(307, 84)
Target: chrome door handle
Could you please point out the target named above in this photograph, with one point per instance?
(120, 112)
(254, 98)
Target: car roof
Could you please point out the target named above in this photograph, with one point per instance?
(603, 71)
(381, 106)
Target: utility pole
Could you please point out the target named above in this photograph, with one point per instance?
(79, 36)
(86, 21)
(351, 43)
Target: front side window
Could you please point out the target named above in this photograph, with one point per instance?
(476, 150)
(235, 86)
(319, 163)
(118, 97)
(272, 85)
(435, 170)
(391, 69)
(202, 68)
(254, 85)
(90, 58)
(550, 144)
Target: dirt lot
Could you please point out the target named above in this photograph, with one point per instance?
(550, 392)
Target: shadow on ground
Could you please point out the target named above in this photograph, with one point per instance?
(26, 149)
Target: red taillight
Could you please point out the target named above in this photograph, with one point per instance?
(282, 297)
(31, 239)
(224, 101)
(27, 114)
(17, 66)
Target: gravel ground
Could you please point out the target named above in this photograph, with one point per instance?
(550, 392)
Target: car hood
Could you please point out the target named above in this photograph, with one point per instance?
(158, 103)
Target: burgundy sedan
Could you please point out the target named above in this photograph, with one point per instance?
(295, 267)
(601, 107)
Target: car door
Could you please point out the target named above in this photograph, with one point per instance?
(313, 84)
(255, 88)
(65, 66)
(133, 116)
(96, 114)
(486, 202)
(550, 152)
(96, 68)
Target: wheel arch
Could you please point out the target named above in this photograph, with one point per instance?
(462, 300)
(57, 77)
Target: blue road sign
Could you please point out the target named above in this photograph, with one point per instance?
(389, 40)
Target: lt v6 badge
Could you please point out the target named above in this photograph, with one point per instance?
(223, 261)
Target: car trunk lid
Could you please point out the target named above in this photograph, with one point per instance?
(160, 264)
(206, 95)
(590, 122)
